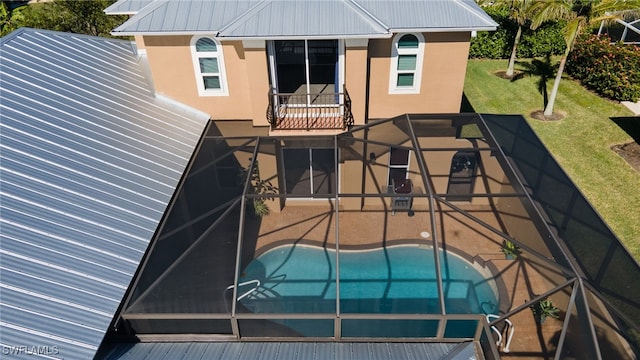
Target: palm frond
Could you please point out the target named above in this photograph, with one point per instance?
(543, 11)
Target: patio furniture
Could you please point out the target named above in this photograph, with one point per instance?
(401, 203)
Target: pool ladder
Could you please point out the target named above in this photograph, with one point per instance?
(253, 289)
(510, 330)
(257, 282)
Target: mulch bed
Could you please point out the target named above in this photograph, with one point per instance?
(539, 115)
(630, 152)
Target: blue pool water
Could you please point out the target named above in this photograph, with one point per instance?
(397, 279)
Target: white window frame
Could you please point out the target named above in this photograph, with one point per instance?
(394, 72)
(223, 91)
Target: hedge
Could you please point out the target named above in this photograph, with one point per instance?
(611, 70)
(547, 39)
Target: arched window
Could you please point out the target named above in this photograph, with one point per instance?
(406, 64)
(209, 66)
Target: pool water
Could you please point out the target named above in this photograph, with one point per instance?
(397, 279)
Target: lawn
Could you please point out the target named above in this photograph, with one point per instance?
(581, 142)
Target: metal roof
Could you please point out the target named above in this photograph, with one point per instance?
(89, 161)
(292, 350)
(126, 7)
(303, 19)
(432, 14)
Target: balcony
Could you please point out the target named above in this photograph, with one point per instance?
(319, 110)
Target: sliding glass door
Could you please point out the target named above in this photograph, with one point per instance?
(310, 171)
(308, 69)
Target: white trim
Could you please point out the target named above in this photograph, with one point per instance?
(218, 54)
(341, 74)
(393, 70)
(266, 37)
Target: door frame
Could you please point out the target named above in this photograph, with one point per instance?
(311, 185)
(271, 52)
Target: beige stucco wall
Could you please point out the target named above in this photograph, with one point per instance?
(246, 68)
(356, 79)
(173, 74)
(443, 72)
(247, 75)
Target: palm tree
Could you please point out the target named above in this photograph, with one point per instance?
(579, 14)
(520, 14)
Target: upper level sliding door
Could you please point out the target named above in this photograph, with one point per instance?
(308, 68)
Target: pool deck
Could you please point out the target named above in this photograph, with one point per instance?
(374, 227)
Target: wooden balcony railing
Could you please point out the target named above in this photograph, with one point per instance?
(307, 111)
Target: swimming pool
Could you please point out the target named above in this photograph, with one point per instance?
(394, 280)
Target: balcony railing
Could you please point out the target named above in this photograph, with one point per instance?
(309, 111)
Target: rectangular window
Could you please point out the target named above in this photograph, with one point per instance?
(405, 80)
(407, 62)
(209, 65)
(211, 82)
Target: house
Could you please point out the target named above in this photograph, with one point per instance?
(133, 209)
(306, 65)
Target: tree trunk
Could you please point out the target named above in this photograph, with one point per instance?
(512, 60)
(548, 110)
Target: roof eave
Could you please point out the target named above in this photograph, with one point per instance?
(130, 13)
(444, 29)
(217, 35)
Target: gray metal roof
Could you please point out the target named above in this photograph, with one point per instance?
(89, 162)
(126, 7)
(293, 351)
(432, 14)
(304, 19)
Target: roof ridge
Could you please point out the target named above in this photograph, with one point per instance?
(139, 15)
(474, 11)
(368, 15)
(233, 24)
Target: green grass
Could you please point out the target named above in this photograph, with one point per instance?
(581, 142)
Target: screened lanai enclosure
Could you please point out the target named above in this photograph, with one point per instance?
(391, 232)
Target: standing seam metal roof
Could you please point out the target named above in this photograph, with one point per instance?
(89, 161)
(292, 350)
(303, 19)
(126, 7)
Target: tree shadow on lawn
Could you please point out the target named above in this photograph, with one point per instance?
(630, 151)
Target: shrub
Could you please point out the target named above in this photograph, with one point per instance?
(495, 44)
(611, 70)
(547, 39)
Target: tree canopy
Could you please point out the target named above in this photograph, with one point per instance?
(579, 14)
(75, 16)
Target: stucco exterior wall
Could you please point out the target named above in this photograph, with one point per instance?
(247, 76)
(443, 73)
(356, 78)
(173, 74)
